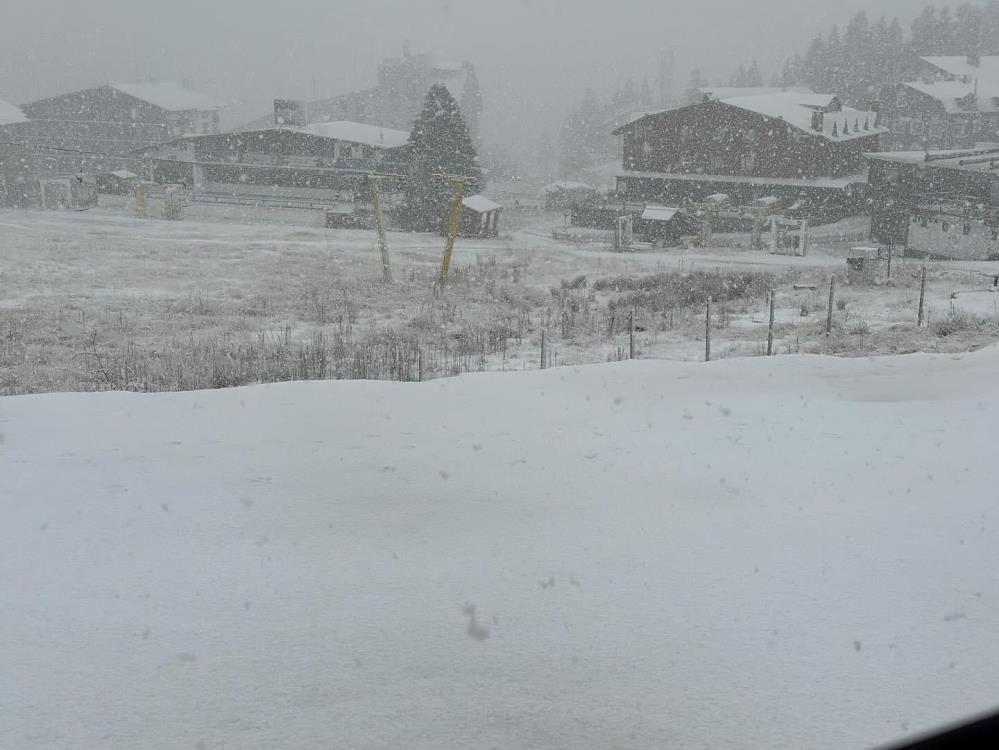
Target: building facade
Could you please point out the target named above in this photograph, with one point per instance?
(748, 146)
(953, 105)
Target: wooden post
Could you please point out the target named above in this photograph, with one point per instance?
(542, 348)
(419, 365)
(454, 224)
(631, 335)
(376, 205)
(832, 297)
(707, 332)
(922, 296)
(891, 247)
(770, 332)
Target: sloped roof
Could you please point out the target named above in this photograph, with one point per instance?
(356, 132)
(659, 213)
(9, 114)
(169, 96)
(480, 204)
(958, 65)
(796, 109)
(730, 92)
(948, 93)
(565, 185)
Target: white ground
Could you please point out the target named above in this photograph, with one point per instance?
(785, 553)
(74, 282)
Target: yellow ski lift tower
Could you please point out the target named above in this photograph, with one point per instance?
(453, 226)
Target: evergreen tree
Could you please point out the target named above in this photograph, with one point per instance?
(753, 76)
(646, 100)
(439, 144)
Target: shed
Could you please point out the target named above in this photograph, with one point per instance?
(666, 224)
(479, 217)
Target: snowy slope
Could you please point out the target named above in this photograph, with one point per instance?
(785, 553)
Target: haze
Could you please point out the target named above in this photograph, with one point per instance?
(534, 57)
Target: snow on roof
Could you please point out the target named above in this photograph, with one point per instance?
(833, 183)
(659, 213)
(169, 96)
(124, 174)
(967, 160)
(356, 132)
(958, 65)
(565, 185)
(480, 204)
(729, 92)
(9, 114)
(797, 109)
(949, 93)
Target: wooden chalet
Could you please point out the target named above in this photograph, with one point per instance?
(479, 217)
(788, 144)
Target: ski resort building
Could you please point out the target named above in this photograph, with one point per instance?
(954, 105)
(313, 166)
(96, 130)
(787, 144)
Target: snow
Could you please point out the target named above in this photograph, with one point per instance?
(784, 553)
(728, 92)
(356, 132)
(948, 93)
(124, 174)
(825, 182)
(958, 65)
(480, 204)
(659, 213)
(9, 114)
(556, 187)
(169, 96)
(796, 109)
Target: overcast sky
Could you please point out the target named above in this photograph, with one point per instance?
(535, 57)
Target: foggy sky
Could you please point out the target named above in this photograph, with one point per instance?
(534, 57)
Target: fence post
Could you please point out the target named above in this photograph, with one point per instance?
(419, 365)
(631, 335)
(542, 348)
(770, 332)
(922, 297)
(707, 332)
(832, 296)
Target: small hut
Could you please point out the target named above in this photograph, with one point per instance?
(665, 225)
(118, 182)
(479, 217)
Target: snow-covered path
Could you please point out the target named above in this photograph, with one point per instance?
(784, 553)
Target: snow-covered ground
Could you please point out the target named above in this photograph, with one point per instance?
(81, 293)
(785, 553)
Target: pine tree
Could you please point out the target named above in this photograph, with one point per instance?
(471, 103)
(753, 76)
(439, 144)
(697, 82)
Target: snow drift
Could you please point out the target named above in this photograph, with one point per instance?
(789, 552)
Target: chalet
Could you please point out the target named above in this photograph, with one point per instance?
(313, 166)
(92, 130)
(789, 144)
(954, 105)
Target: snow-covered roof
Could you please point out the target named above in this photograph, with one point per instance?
(949, 93)
(966, 160)
(658, 213)
(961, 67)
(169, 96)
(834, 183)
(124, 174)
(356, 132)
(729, 92)
(9, 114)
(565, 185)
(797, 109)
(480, 204)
